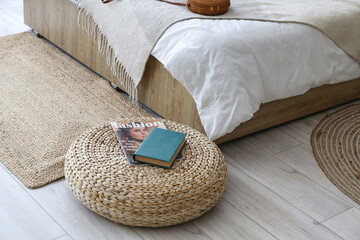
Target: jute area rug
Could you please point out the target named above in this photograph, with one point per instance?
(48, 99)
(336, 146)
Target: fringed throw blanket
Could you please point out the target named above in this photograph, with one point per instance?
(127, 30)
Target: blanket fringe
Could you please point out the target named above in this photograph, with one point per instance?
(86, 22)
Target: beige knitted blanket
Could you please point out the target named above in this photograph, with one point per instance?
(127, 30)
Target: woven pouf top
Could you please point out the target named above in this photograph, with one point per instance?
(99, 175)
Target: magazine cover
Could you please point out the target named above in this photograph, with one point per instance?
(132, 134)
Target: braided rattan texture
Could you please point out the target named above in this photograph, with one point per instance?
(336, 143)
(98, 174)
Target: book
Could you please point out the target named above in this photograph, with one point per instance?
(160, 148)
(132, 134)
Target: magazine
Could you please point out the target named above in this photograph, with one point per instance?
(132, 134)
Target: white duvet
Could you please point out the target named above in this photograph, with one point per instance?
(230, 67)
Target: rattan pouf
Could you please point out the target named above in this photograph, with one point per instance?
(98, 174)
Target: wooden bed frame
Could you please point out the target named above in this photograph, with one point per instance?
(56, 20)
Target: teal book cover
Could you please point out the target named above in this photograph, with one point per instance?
(160, 147)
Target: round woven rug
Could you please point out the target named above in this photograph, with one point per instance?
(336, 142)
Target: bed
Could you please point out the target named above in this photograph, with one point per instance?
(159, 90)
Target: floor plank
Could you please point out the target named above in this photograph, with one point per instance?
(300, 129)
(346, 224)
(16, 14)
(78, 221)
(9, 26)
(21, 216)
(302, 159)
(182, 231)
(224, 221)
(270, 211)
(273, 140)
(11, 3)
(293, 186)
(64, 237)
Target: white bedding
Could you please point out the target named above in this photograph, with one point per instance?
(230, 67)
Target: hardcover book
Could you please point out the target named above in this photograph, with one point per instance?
(160, 148)
(132, 134)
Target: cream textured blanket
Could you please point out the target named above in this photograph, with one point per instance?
(127, 30)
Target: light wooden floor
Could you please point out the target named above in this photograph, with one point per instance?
(275, 190)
